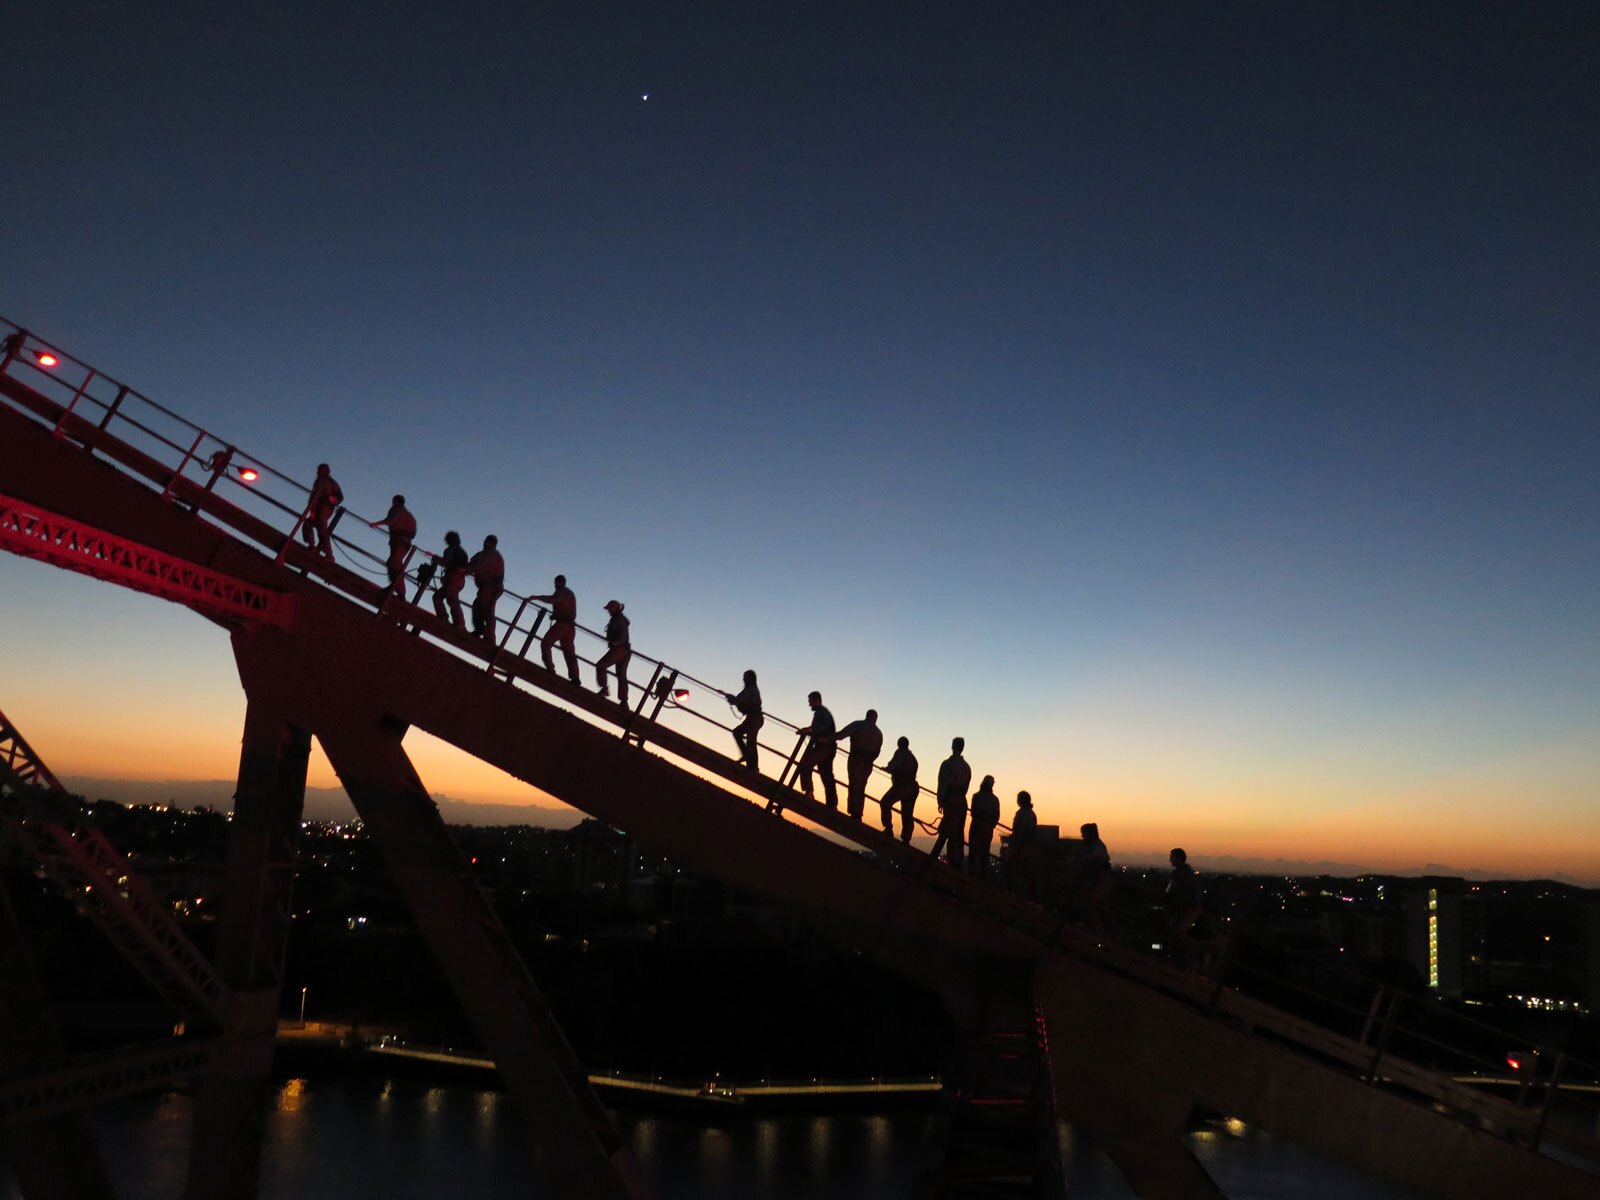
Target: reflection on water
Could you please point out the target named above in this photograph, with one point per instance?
(330, 1139)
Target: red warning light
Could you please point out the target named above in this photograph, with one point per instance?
(1514, 1061)
(249, 474)
(46, 359)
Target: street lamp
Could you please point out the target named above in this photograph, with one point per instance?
(303, 992)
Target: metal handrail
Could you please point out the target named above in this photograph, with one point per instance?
(20, 341)
(116, 410)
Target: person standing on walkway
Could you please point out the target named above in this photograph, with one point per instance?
(1022, 852)
(980, 833)
(820, 751)
(489, 573)
(563, 629)
(1182, 905)
(326, 496)
(1094, 879)
(955, 777)
(866, 739)
(402, 527)
(453, 565)
(748, 703)
(902, 793)
(619, 649)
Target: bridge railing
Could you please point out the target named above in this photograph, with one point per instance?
(150, 428)
(660, 690)
(1399, 1030)
(1560, 1087)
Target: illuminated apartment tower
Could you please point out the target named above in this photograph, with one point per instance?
(1444, 935)
(1591, 949)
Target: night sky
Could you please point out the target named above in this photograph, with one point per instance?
(1195, 406)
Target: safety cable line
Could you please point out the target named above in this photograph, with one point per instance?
(352, 551)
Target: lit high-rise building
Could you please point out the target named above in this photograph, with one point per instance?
(1445, 936)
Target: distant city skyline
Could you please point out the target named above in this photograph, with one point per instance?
(331, 804)
(1195, 409)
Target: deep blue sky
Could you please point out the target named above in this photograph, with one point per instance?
(1195, 405)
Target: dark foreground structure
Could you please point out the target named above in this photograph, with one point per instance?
(96, 479)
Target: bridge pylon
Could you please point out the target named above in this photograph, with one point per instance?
(235, 1094)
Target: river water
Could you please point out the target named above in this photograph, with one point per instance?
(333, 1139)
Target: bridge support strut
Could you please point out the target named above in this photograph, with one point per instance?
(230, 1117)
(582, 1152)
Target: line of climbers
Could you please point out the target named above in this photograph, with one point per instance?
(487, 569)
(958, 836)
(955, 832)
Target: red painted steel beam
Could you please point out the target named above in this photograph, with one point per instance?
(340, 661)
(33, 532)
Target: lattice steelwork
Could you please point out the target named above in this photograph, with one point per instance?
(95, 1079)
(32, 532)
(82, 862)
(23, 768)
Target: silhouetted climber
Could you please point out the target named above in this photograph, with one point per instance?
(619, 649)
(563, 629)
(748, 702)
(955, 777)
(489, 573)
(902, 793)
(1094, 879)
(326, 496)
(820, 751)
(453, 562)
(866, 739)
(1182, 905)
(402, 527)
(1022, 852)
(980, 832)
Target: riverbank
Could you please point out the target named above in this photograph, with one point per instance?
(323, 1048)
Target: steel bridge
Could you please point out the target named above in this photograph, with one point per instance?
(96, 478)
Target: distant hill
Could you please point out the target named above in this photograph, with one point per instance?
(322, 804)
(1241, 865)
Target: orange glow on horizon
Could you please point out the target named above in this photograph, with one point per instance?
(168, 707)
(1407, 838)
